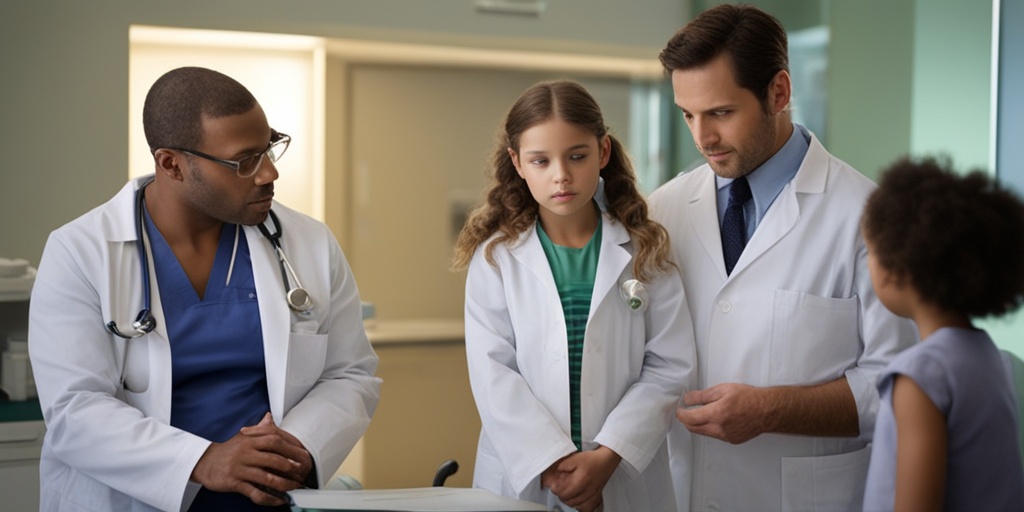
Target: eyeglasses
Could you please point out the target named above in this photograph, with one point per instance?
(247, 166)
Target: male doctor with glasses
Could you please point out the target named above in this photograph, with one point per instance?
(224, 393)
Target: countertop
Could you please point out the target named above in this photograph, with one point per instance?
(415, 331)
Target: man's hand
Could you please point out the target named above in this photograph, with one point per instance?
(734, 413)
(266, 427)
(579, 479)
(737, 413)
(261, 462)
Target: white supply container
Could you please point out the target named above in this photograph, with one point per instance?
(16, 372)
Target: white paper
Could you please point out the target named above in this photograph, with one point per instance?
(426, 499)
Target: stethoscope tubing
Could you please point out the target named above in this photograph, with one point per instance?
(298, 298)
(145, 322)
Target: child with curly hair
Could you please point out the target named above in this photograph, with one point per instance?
(944, 250)
(577, 337)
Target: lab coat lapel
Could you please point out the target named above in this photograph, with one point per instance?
(778, 220)
(154, 348)
(528, 251)
(610, 263)
(542, 309)
(784, 212)
(612, 259)
(159, 347)
(275, 317)
(703, 204)
(119, 226)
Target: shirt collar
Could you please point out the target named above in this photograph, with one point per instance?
(772, 176)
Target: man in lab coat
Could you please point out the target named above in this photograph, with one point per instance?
(228, 395)
(789, 332)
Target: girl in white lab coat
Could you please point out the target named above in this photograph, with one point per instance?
(577, 333)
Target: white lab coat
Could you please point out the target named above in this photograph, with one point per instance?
(107, 448)
(635, 366)
(798, 309)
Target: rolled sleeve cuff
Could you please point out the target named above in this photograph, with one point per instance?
(865, 392)
(634, 460)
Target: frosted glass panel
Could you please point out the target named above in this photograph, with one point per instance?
(1010, 121)
(282, 81)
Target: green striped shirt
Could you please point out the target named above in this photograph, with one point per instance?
(574, 271)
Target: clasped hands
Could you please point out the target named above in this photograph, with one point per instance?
(579, 478)
(262, 462)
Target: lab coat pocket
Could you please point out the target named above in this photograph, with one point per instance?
(814, 339)
(832, 482)
(306, 356)
(136, 364)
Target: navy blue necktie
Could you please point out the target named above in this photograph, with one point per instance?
(734, 229)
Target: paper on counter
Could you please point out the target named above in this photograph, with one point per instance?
(425, 499)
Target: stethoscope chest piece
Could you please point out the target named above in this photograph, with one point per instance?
(298, 298)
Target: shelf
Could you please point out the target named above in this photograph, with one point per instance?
(17, 289)
(27, 410)
(15, 296)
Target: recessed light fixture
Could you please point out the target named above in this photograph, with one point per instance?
(521, 7)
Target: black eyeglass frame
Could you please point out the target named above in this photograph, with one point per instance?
(276, 140)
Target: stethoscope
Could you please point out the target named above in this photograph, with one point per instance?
(298, 298)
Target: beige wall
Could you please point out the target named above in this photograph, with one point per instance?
(64, 103)
(280, 71)
(426, 413)
(420, 144)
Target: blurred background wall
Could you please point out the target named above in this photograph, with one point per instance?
(391, 165)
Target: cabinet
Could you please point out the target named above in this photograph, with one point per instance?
(426, 413)
(21, 440)
(21, 422)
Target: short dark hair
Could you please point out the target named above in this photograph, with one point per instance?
(958, 239)
(754, 40)
(172, 115)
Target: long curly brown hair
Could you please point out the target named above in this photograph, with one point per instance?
(510, 209)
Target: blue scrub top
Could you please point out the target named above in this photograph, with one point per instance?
(218, 369)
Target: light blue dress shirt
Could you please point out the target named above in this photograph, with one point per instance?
(768, 180)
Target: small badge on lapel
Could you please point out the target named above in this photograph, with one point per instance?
(635, 294)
